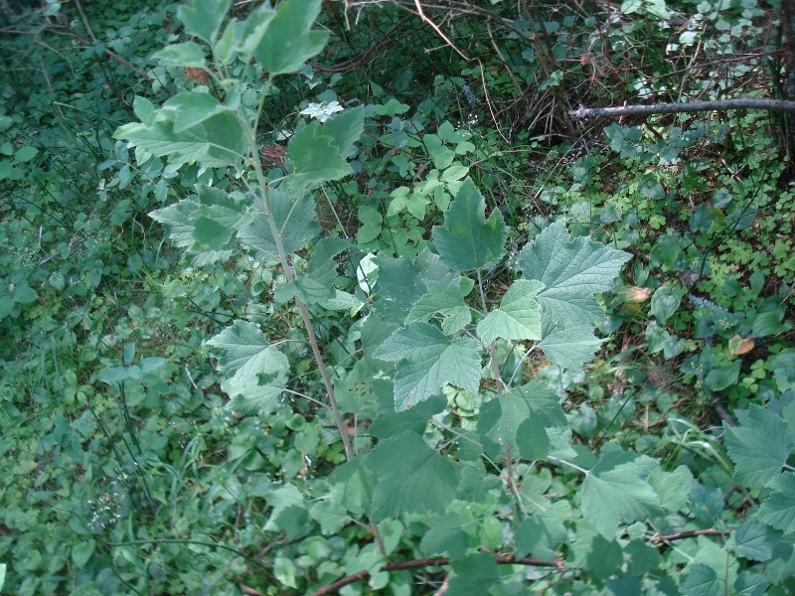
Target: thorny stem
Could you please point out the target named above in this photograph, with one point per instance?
(288, 274)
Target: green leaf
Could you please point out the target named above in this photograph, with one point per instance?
(412, 477)
(446, 536)
(182, 55)
(345, 129)
(352, 486)
(296, 223)
(444, 299)
(190, 108)
(402, 282)
(539, 535)
(25, 154)
(82, 551)
(626, 585)
(517, 318)
(751, 583)
(759, 445)
(706, 504)
(533, 440)
(223, 51)
(642, 557)
(673, 488)
(778, 509)
(317, 285)
(218, 141)
(283, 568)
(25, 295)
(178, 219)
(469, 241)
(501, 418)
(203, 18)
(289, 41)
(6, 305)
(314, 157)
(250, 32)
(474, 575)
(601, 557)
(616, 489)
(572, 271)
(282, 499)
(722, 377)
(755, 540)
(569, 347)
(427, 360)
(258, 371)
(371, 221)
(144, 109)
(664, 303)
(414, 420)
(702, 580)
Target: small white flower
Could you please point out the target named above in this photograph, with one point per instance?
(322, 111)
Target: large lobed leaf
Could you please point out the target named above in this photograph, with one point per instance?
(216, 139)
(616, 489)
(203, 18)
(572, 271)
(288, 41)
(759, 445)
(427, 360)
(296, 224)
(502, 421)
(468, 241)
(255, 371)
(517, 318)
(318, 152)
(412, 477)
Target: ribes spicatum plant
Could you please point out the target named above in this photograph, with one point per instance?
(410, 417)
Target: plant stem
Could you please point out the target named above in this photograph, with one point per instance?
(491, 348)
(321, 364)
(288, 274)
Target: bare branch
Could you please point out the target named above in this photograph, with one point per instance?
(743, 103)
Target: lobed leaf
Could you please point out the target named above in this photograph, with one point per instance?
(616, 489)
(468, 241)
(517, 318)
(572, 271)
(412, 477)
(427, 360)
(759, 445)
(288, 41)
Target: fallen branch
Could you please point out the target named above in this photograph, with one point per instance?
(432, 562)
(743, 103)
(560, 565)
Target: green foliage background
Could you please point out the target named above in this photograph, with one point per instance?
(560, 352)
